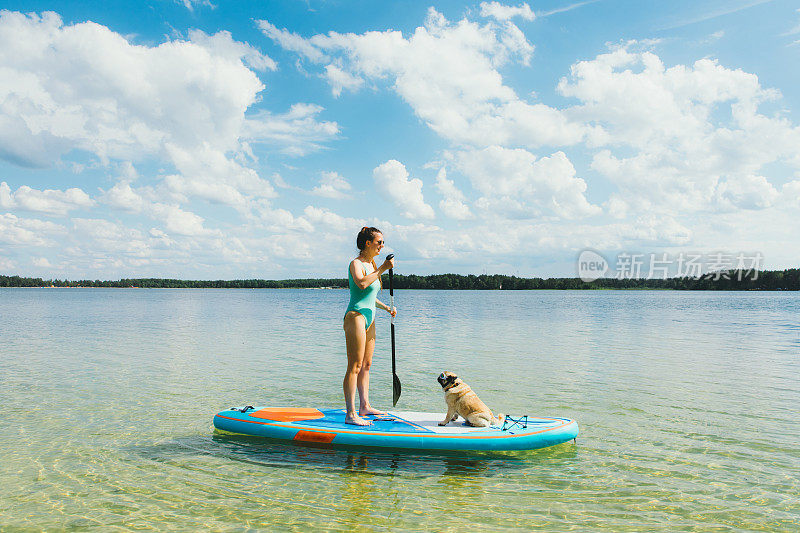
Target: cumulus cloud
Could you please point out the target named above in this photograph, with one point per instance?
(452, 205)
(328, 220)
(111, 236)
(223, 45)
(499, 11)
(207, 173)
(53, 202)
(122, 196)
(28, 231)
(331, 185)
(176, 220)
(180, 221)
(391, 181)
(41, 262)
(447, 72)
(84, 87)
(514, 182)
(692, 136)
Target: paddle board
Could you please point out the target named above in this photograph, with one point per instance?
(396, 429)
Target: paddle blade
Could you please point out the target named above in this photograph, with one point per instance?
(396, 389)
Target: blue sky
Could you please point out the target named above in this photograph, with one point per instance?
(253, 139)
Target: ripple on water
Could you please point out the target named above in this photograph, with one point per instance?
(687, 404)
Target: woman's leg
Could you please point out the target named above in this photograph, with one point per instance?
(363, 377)
(355, 338)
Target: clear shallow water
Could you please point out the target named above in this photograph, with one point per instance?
(688, 406)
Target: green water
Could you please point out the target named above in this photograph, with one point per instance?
(687, 402)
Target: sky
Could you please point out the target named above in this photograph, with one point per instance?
(230, 140)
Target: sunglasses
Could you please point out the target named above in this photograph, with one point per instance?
(378, 242)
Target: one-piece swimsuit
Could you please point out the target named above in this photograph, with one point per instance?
(363, 300)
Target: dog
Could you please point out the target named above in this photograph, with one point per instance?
(462, 401)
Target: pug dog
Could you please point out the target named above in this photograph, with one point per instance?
(462, 401)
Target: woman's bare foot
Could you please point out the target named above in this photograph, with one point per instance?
(356, 421)
(369, 410)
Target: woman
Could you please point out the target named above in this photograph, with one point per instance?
(359, 323)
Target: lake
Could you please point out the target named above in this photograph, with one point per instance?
(688, 404)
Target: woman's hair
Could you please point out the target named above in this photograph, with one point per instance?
(366, 234)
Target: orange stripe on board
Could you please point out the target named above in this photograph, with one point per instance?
(287, 414)
(314, 436)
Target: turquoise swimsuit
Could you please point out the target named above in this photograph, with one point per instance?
(363, 300)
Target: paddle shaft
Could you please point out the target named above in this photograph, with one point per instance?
(391, 306)
(396, 386)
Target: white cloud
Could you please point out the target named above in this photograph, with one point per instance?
(291, 41)
(7, 265)
(41, 262)
(794, 30)
(569, 7)
(53, 202)
(327, 220)
(277, 220)
(747, 192)
(207, 173)
(692, 136)
(452, 205)
(296, 132)
(223, 45)
(447, 72)
(122, 196)
(331, 185)
(28, 231)
(84, 87)
(107, 237)
(515, 183)
(391, 181)
(340, 79)
(502, 12)
(716, 36)
(177, 220)
(189, 4)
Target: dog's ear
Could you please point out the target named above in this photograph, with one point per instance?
(452, 378)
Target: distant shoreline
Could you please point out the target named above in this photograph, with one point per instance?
(733, 280)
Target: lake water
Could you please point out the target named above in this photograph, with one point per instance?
(688, 404)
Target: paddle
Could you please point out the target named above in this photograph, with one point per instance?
(396, 388)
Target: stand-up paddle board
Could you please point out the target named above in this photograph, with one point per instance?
(397, 429)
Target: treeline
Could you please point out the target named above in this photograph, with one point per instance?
(720, 281)
(165, 283)
(787, 280)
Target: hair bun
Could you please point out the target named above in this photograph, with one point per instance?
(366, 234)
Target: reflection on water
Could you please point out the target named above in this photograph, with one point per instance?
(374, 461)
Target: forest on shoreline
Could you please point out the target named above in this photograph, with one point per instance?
(786, 280)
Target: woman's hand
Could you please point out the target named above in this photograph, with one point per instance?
(389, 263)
(392, 311)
